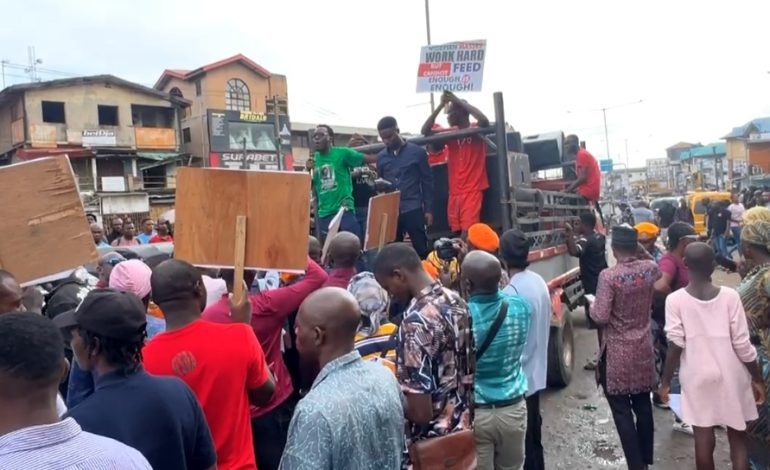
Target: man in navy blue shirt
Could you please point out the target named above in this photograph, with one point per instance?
(405, 166)
(158, 416)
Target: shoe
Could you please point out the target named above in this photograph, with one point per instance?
(683, 427)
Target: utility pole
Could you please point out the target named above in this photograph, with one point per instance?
(607, 136)
(33, 63)
(2, 66)
(277, 130)
(427, 29)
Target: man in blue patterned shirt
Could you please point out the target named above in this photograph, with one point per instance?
(501, 384)
(352, 418)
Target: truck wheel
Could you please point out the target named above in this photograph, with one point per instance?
(561, 353)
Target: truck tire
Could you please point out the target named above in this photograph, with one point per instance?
(561, 352)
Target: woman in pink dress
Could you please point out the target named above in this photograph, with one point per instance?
(707, 329)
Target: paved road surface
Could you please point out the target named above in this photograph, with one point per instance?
(578, 438)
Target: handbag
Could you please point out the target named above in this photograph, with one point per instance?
(456, 450)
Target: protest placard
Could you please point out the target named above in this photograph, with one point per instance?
(382, 222)
(44, 233)
(456, 66)
(276, 206)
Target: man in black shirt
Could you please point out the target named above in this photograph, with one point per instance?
(590, 247)
(719, 227)
(665, 218)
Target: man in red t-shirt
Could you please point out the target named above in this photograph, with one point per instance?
(269, 311)
(223, 364)
(589, 177)
(466, 162)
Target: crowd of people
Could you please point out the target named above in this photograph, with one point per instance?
(422, 357)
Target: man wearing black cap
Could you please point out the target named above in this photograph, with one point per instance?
(627, 363)
(158, 416)
(514, 250)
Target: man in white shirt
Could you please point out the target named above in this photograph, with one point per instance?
(514, 249)
(32, 365)
(736, 216)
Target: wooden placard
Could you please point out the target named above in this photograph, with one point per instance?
(382, 220)
(44, 233)
(277, 209)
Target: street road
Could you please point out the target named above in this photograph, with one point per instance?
(576, 436)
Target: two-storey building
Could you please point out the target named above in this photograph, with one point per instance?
(123, 139)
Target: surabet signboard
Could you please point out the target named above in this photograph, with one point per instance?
(457, 67)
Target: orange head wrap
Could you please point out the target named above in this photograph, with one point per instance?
(430, 269)
(647, 231)
(483, 237)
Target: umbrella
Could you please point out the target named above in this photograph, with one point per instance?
(169, 215)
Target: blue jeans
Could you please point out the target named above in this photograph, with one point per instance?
(349, 223)
(736, 237)
(720, 245)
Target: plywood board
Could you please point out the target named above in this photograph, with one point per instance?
(381, 229)
(44, 231)
(277, 209)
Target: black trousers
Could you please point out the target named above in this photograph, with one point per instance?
(269, 433)
(636, 437)
(413, 223)
(534, 459)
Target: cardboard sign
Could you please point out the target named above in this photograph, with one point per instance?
(382, 222)
(457, 67)
(334, 228)
(44, 233)
(277, 209)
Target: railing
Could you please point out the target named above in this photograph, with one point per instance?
(159, 183)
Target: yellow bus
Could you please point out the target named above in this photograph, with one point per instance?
(695, 202)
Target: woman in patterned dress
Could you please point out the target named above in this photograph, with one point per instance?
(754, 290)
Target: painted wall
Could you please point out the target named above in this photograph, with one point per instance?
(81, 112)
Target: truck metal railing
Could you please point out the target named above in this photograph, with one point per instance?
(540, 213)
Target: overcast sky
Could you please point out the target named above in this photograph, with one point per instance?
(701, 67)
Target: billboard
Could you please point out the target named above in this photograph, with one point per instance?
(457, 67)
(246, 140)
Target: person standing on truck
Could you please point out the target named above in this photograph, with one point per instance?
(514, 250)
(590, 247)
(466, 162)
(589, 177)
(405, 166)
(332, 181)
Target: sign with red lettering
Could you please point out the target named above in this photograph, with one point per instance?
(456, 66)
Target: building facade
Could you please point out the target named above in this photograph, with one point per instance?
(231, 121)
(748, 149)
(122, 139)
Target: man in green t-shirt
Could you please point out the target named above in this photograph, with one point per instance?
(332, 181)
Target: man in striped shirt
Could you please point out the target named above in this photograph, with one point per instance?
(31, 435)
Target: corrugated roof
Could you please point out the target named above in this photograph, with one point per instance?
(758, 124)
(79, 81)
(714, 149)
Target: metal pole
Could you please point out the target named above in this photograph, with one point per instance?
(2, 65)
(427, 29)
(606, 134)
(502, 161)
(277, 129)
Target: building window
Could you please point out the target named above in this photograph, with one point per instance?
(152, 116)
(198, 87)
(178, 93)
(237, 96)
(108, 115)
(53, 112)
(186, 138)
